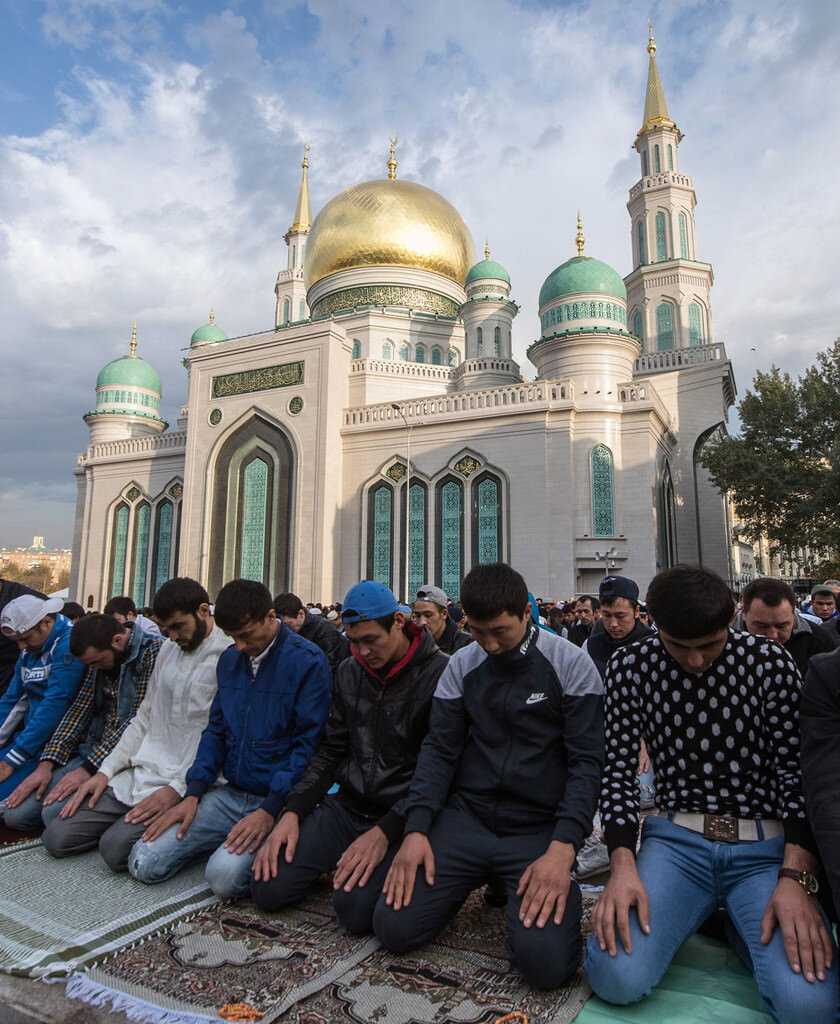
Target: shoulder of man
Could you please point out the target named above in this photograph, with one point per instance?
(574, 668)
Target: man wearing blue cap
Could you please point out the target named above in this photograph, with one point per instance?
(378, 718)
(619, 624)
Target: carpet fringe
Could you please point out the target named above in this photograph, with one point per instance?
(80, 986)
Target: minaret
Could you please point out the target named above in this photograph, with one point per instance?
(128, 393)
(289, 289)
(668, 289)
(488, 318)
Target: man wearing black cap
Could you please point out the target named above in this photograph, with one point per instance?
(619, 624)
(430, 610)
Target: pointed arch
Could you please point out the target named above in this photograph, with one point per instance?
(450, 534)
(695, 325)
(601, 476)
(419, 354)
(683, 225)
(664, 327)
(387, 349)
(119, 548)
(381, 533)
(437, 356)
(638, 326)
(356, 351)
(661, 237)
(140, 562)
(497, 341)
(287, 311)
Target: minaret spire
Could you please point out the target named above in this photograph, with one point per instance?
(656, 109)
(392, 160)
(487, 248)
(133, 342)
(303, 211)
(579, 239)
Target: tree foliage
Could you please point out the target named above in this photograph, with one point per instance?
(783, 471)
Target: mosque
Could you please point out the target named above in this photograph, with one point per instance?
(382, 429)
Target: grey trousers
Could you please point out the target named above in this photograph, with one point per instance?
(102, 825)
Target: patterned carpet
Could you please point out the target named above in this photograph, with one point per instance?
(301, 967)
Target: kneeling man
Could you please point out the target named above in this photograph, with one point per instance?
(719, 713)
(506, 785)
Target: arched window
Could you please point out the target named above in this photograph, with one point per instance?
(253, 497)
(667, 538)
(119, 546)
(450, 515)
(664, 327)
(661, 244)
(357, 349)
(419, 354)
(640, 242)
(452, 357)
(163, 545)
(497, 341)
(387, 350)
(142, 517)
(405, 353)
(602, 492)
(695, 324)
(302, 310)
(437, 356)
(670, 158)
(657, 163)
(644, 162)
(479, 342)
(287, 311)
(294, 254)
(638, 328)
(380, 534)
(683, 236)
(416, 543)
(486, 519)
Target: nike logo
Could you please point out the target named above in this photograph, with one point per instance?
(536, 698)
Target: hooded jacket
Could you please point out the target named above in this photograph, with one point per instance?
(373, 735)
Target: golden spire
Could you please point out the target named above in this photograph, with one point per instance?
(579, 239)
(392, 160)
(303, 211)
(133, 343)
(656, 109)
(487, 248)
(212, 316)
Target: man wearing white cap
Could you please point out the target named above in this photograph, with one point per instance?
(44, 683)
(430, 611)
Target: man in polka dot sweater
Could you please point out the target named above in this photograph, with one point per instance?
(718, 711)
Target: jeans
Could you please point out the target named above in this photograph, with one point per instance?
(687, 877)
(228, 874)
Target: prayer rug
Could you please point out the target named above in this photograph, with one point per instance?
(59, 915)
(301, 967)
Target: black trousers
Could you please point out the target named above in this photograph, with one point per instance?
(324, 835)
(467, 855)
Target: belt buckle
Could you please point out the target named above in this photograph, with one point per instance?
(721, 828)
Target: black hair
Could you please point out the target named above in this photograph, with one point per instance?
(771, 592)
(180, 594)
(73, 610)
(120, 605)
(594, 602)
(94, 631)
(491, 589)
(240, 602)
(608, 602)
(288, 604)
(689, 602)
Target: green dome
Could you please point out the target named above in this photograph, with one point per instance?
(129, 372)
(488, 270)
(209, 332)
(582, 275)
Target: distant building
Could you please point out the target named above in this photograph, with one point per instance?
(54, 562)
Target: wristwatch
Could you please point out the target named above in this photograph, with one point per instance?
(805, 878)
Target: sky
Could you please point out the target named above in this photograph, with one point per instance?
(150, 161)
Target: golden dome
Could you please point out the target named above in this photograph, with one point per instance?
(389, 223)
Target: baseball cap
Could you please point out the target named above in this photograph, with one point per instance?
(820, 588)
(618, 586)
(27, 611)
(428, 592)
(368, 600)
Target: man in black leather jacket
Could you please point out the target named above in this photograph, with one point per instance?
(378, 718)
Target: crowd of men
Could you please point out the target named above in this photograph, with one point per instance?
(419, 753)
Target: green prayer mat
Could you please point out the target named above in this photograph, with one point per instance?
(705, 984)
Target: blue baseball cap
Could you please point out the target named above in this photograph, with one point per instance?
(618, 586)
(368, 600)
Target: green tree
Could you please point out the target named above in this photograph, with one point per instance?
(783, 471)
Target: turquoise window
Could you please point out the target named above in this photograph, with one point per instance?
(664, 327)
(644, 162)
(416, 545)
(437, 356)
(670, 158)
(254, 514)
(405, 353)
(657, 163)
(141, 554)
(661, 244)
(287, 311)
(640, 242)
(452, 357)
(683, 236)
(163, 545)
(479, 342)
(419, 354)
(357, 350)
(450, 538)
(302, 310)
(387, 350)
(602, 492)
(487, 521)
(381, 535)
(695, 324)
(638, 329)
(497, 341)
(119, 543)
(294, 254)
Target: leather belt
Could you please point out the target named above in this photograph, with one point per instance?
(723, 828)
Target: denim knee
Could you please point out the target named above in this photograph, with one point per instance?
(149, 863)
(620, 979)
(229, 874)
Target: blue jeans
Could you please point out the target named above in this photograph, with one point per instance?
(687, 877)
(228, 874)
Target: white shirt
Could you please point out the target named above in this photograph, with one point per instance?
(160, 742)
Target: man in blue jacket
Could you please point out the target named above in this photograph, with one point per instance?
(265, 722)
(44, 683)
